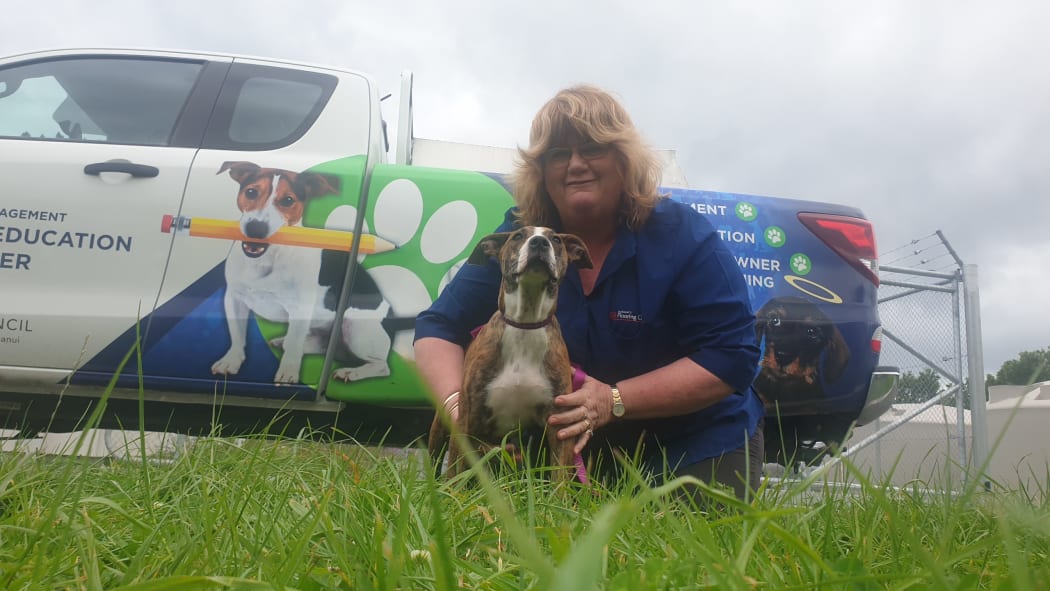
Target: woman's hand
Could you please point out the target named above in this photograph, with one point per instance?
(580, 413)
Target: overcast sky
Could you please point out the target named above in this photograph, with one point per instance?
(926, 115)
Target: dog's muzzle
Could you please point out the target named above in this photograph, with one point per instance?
(255, 229)
(254, 250)
(540, 256)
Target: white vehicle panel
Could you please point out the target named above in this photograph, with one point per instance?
(91, 262)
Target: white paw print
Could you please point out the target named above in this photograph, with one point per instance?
(775, 236)
(746, 211)
(800, 264)
(397, 217)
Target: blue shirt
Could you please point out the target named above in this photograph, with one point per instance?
(665, 291)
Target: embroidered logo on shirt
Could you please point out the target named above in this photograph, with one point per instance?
(625, 316)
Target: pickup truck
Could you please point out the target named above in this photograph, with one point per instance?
(218, 243)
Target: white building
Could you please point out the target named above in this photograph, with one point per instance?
(926, 448)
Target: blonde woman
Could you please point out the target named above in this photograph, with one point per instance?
(662, 324)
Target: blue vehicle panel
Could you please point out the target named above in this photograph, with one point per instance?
(794, 278)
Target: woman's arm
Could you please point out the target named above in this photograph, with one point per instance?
(708, 301)
(440, 363)
(679, 388)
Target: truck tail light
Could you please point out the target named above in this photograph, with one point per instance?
(852, 238)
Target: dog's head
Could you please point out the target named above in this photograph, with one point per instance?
(532, 252)
(801, 342)
(270, 198)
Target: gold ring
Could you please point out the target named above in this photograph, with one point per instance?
(589, 432)
(588, 421)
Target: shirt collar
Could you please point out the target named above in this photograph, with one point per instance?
(624, 249)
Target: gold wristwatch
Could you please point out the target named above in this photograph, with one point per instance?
(618, 409)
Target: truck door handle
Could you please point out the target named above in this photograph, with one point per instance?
(135, 170)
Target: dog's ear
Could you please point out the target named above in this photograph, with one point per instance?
(489, 246)
(765, 309)
(239, 171)
(577, 251)
(836, 355)
(314, 184)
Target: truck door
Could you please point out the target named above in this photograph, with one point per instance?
(93, 150)
(286, 146)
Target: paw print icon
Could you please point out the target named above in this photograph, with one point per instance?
(775, 236)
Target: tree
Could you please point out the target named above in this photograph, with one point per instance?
(1029, 367)
(918, 387)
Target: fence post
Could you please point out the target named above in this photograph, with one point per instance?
(975, 363)
(961, 393)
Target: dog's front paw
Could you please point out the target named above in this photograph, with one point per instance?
(230, 363)
(287, 372)
(368, 370)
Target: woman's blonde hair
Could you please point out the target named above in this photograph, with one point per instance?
(591, 114)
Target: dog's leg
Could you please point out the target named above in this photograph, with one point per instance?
(366, 338)
(315, 343)
(460, 436)
(294, 341)
(561, 456)
(454, 455)
(438, 439)
(237, 323)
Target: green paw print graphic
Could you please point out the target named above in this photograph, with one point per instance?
(435, 221)
(775, 236)
(434, 227)
(800, 264)
(746, 211)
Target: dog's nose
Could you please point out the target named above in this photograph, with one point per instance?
(537, 242)
(256, 229)
(784, 357)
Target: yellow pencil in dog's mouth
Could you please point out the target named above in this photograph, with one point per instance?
(287, 235)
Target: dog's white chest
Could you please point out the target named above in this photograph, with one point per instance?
(521, 392)
(279, 286)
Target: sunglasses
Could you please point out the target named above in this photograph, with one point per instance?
(588, 151)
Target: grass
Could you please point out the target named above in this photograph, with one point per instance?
(287, 513)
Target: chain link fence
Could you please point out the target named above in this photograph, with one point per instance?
(934, 433)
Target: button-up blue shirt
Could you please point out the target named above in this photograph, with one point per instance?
(669, 290)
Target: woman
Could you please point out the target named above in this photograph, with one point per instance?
(661, 324)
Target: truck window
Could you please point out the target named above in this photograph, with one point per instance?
(110, 100)
(264, 108)
(269, 110)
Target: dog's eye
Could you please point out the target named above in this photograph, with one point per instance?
(251, 193)
(556, 240)
(774, 321)
(517, 236)
(813, 333)
(286, 201)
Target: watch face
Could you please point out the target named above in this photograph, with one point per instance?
(617, 409)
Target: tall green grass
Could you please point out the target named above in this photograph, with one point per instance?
(291, 513)
(288, 513)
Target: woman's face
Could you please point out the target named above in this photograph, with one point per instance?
(584, 181)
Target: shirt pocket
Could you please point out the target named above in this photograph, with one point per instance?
(627, 331)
